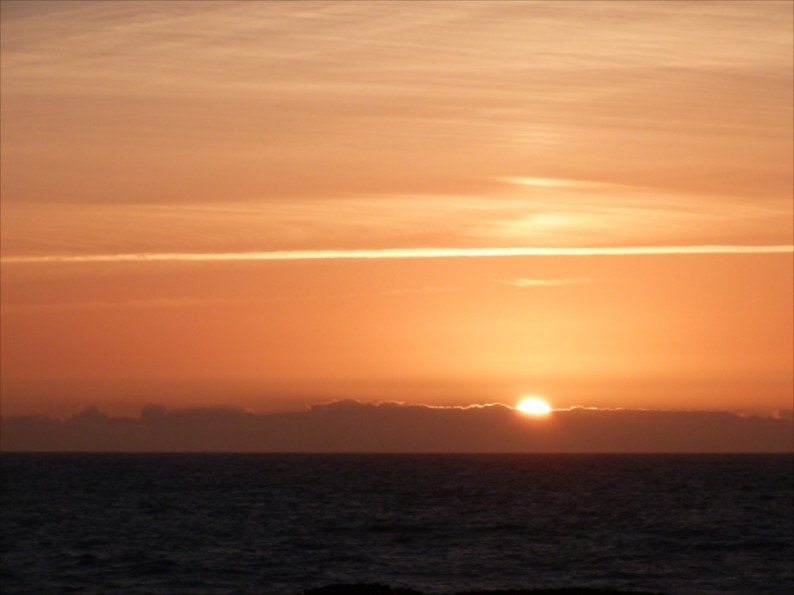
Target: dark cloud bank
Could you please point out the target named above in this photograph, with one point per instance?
(352, 426)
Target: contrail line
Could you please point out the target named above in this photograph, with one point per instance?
(390, 254)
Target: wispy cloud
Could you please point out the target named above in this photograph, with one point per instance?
(534, 182)
(149, 82)
(561, 215)
(523, 282)
(390, 253)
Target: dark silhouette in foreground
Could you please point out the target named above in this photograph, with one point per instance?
(375, 589)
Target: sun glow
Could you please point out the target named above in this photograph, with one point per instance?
(533, 406)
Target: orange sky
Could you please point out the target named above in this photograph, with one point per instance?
(188, 189)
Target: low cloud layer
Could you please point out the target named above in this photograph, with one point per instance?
(354, 426)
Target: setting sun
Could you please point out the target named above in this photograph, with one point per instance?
(533, 406)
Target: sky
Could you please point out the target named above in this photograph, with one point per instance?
(270, 204)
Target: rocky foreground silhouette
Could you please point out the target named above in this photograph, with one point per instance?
(377, 589)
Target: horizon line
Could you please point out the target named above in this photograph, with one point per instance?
(395, 254)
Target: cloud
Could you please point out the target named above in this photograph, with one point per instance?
(356, 426)
(551, 183)
(524, 283)
(390, 253)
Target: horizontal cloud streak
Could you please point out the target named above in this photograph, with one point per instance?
(561, 216)
(391, 253)
(527, 283)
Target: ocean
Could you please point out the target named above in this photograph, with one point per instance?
(438, 523)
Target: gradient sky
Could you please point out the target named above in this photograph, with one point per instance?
(262, 204)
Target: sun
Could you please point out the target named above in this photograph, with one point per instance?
(533, 406)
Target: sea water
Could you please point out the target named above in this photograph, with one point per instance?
(278, 524)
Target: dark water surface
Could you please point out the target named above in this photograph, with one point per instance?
(171, 523)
